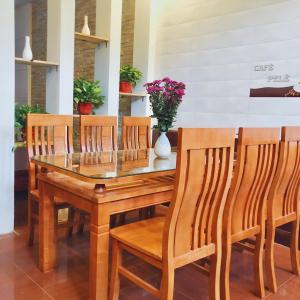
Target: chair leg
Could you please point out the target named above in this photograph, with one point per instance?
(258, 263)
(214, 277)
(225, 269)
(71, 219)
(294, 247)
(122, 218)
(270, 264)
(81, 223)
(31, 222)
(115, 277)
(167, 284)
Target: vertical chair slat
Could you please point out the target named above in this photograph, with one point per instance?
(98, 133)
(136, 132)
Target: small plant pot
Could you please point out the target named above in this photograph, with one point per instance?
(85, 108)
(125, 87)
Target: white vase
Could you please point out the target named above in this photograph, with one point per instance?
(27, 53)
(85, 29)
(162, 146)
(162, 163)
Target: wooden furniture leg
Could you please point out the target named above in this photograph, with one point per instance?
(225, 268)
(99, 254)
(31, 222)
(258, 264)
(167, 283)
(270, 265)
(47, 232)
(294, 247)
(214, 276)
(115, 277)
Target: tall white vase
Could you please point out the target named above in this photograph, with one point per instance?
(162, 146)
(85, 28)
(27, 53)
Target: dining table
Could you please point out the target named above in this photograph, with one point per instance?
(101, 184)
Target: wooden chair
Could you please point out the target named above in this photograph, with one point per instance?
(136, 135)
(283, 201)
(192, 228)
(245, 209)
(98, 133)
(136, 132)
(45, 134)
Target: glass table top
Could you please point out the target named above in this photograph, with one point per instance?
(110, 164)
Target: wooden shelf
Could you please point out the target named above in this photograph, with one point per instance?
(90, 38)
(135, 95)
(40, 63)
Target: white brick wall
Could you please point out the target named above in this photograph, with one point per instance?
(213, 46)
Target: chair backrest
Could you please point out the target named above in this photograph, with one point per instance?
(136, 132)
(98, 133)
(204, 169)
(257, 156)
(47, 134)
(283, 198)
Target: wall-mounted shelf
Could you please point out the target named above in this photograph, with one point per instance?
(91, 38)
(134, 95)
(40, 63)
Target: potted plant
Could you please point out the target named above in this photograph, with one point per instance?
(129, 76)
(87, 96)
(21, 111)
(165, 98)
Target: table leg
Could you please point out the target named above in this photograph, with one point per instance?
(47, 233)
(99, 254)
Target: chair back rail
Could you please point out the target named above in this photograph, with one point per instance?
(204, 169)
(47, 134)
(136, 132)
(283, 198)
(257, 156)
(98, 133)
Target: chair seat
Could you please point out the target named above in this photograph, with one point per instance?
(145, 236)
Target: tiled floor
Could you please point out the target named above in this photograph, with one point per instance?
(20, 279)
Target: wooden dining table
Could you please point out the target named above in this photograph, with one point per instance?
(102, 184)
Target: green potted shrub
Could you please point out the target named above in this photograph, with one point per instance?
(21, 111)
(87, 96)
(129, 76)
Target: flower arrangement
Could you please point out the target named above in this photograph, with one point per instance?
(165, 98)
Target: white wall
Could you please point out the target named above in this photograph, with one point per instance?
(23, 27)
(107, 58)
(7, 80)
(213, 46)
(60, 49)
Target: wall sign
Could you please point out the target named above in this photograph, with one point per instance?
(287, 91)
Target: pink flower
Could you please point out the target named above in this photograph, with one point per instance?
(166, 79)
(156, 82)
(180, 92)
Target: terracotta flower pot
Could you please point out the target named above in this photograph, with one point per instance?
(125, 87)
(85, 108)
